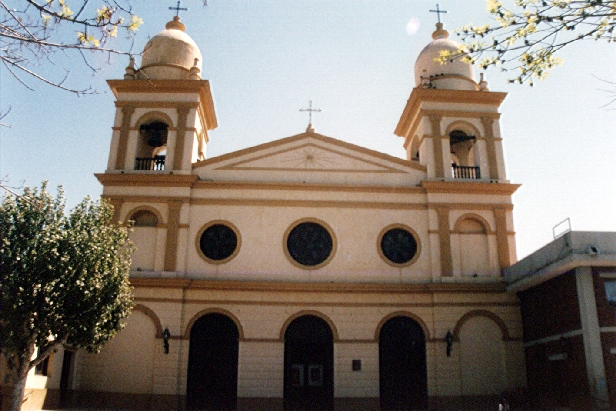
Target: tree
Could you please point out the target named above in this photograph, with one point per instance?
(63, 279)
(528, 35)
(31, 31)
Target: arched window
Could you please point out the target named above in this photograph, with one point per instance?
(152, 147)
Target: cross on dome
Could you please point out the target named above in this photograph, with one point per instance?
(438, 12)
(178, 8)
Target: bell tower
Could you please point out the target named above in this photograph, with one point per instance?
(164, 109)
(450, 125)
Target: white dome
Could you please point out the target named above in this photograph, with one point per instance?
(170, 54)
(455, 75)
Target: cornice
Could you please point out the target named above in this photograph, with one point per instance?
(146, 180)
(420, 95)
(454, 187)
(366, 288)
(202, 87)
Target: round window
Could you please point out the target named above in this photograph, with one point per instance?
(218, 242)
(310, 244)
(399, 246)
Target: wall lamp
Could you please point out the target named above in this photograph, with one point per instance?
(166, 336)
(449, 341)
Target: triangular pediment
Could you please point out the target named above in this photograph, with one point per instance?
(306, 155)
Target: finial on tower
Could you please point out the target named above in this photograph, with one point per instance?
(194, 71)
(130, 69)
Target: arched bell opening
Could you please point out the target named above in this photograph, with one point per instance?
(152, 146)
(464, 158)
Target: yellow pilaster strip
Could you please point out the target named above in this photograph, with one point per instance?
(488, 127)
(178, 157)
(117, 207)
(445, 241)
(127, 114)
(437, 142)
(173, 229)
(502, 241)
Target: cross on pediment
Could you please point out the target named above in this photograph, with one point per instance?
(310, 110)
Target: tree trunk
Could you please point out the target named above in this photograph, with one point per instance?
(18, 393)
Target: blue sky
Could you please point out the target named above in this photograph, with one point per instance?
(354, 58)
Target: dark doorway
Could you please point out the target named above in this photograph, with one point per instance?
(308, 365)
(212, 364)
(402, 365)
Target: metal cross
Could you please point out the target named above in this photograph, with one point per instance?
(178, 8)
(438, 11)
(310, 110)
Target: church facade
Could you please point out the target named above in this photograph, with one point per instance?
(306, 273)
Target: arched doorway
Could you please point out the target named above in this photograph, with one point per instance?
(212, 364)
(308, 365)
(402, 365)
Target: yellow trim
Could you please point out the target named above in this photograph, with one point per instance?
(213, 310)
(472, 216)
(153, 116)
(314, 313)
(180, 136)
(309, 220)
(241, 185)
(463, 126)
(116, 203)
(412, 316)
(145, 180)
(420, 95)
(437, 145)
(481, 313)
(269, 303)
(273, 286)
(460, 114)
(202, 87)
(127, 114)
(173, 229)
(151, 209)
(208, 225)
(502, 237)
(315, 136)
(488, 126)
(309, 204)
(153, 317)
(444, 241)
(406, 228)
(237, 165)
(455, 187)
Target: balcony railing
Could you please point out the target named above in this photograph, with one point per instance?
(472, 173)
(156, 163)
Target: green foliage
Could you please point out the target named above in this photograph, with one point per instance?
(529, 34)
(63, 279)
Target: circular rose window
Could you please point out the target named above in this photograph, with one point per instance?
(219, 242)
(310, 244)
(399, 246)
